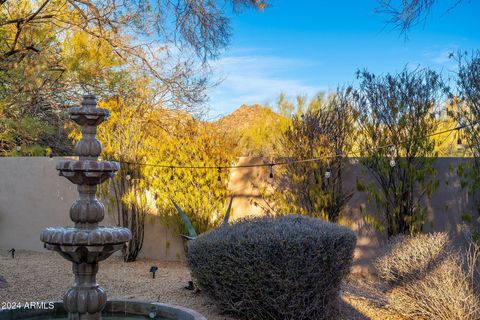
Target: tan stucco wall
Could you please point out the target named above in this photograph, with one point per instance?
(445, 208)
(33, 196)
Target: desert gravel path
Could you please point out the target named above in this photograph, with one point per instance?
(34, 276)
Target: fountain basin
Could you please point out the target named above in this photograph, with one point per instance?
(114, 310)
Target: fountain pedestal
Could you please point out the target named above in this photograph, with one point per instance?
(86, 243)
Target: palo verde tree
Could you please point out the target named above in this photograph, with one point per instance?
(142, 132)
(139, 57)
(397, 118)
(201, 193)
(52, 51)
(322, 131)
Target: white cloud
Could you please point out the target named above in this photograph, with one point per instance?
(249, 79)
(441, 56)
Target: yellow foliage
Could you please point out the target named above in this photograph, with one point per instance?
(148, 134)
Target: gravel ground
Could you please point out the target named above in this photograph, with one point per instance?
(34, 276)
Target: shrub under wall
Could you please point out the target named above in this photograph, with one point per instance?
(410, 258)
(427, 279)
(287, 267)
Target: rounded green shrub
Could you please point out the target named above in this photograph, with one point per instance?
(287, 267)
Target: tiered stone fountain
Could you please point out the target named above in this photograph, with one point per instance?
(86, 244)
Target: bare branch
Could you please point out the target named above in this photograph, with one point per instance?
(409, 13)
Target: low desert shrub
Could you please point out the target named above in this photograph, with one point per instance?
(272, 268)
(427, 279)
(408, 258)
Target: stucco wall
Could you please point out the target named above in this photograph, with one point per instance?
(33, 196)
(445, 209)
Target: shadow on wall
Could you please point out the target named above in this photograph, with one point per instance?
(450, 202)
(445, 208)
(243, 182)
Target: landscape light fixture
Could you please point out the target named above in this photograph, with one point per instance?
(153, 269)
(459, 144)
(190, 285)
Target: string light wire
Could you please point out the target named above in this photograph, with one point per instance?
(280, 163)
(355, 154)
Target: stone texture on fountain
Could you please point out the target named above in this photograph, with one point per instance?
(86, 243)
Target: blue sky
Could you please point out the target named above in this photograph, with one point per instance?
(303, 47)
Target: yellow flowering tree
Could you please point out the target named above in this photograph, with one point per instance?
(150, 142)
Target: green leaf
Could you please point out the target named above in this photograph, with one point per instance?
(186, 221)
(227, 214)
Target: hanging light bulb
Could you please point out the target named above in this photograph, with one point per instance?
(171, 175)
(271, 171)
(219, 179)
(459, 144)
(328, 173)
(392, 162)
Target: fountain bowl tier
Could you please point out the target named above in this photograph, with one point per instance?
(69, 236)
(114, 310)
(85, 245)
(88, 114)
(88, 172)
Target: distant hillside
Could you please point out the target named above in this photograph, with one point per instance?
(256, 128)
(247, 116)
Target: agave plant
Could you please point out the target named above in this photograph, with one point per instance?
(192, 233)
